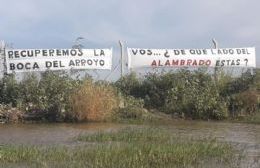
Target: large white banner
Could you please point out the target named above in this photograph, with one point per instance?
(223, 57)
(24, 60)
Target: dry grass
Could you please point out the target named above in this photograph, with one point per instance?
(9, 114)
(249, 100)
(94, 102)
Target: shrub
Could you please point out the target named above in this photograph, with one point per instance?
(152, 88)
(244, 103)
(47, 97)
(9, 90)
(54, 91)
(94, 101)
(192, 93)
(155, 88)
(238, 84)
(195, 96)
(130, 85)
(29, 92)
(132, 109)
(256, 80)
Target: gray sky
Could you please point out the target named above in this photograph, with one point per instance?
(140, 23)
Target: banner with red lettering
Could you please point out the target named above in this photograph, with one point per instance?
(222, 57)
(26, 60)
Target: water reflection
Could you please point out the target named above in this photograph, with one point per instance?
(60, 133)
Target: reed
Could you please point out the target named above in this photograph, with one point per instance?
(130, 147)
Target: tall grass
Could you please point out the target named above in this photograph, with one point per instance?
(127, 148)
(94, 101)
(130, 135)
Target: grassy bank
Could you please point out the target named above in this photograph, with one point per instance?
(130, 147)
(255, 119)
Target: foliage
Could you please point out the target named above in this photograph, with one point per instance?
(54, 91)
(155, 88)
(196, 94)
(45, 97)
(250, 119)
(241, 93)
(184, 92)
(237, 85)
(132, 109)
(244, 103)
(129, 85)
(9, 90)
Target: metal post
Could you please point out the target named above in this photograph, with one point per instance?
(215, 43)
(215, 46)
(122, 57)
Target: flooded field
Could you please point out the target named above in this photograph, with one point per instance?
(244, 137)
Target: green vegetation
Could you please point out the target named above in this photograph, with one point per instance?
(251, 119)
(188, 94)
(151, 135)
(43, 98)
(130, 147)
(196, 94)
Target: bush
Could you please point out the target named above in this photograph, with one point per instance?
(244, 103)
(155, 88)
(30, 95)
(195, 96)
(9, 90)
(94, 101)
(47, 98)
(54, 92)
(238, 85)
(129, 85)
(132, 109)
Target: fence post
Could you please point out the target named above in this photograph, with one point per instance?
(215, 46)
(122, 57)
(2, 53)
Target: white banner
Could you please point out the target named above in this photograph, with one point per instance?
(25, 60)
(223, 57)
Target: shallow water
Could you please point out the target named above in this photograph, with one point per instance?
(48, 134)
(245, 137)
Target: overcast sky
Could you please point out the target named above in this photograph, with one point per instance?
(139, 23)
